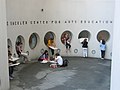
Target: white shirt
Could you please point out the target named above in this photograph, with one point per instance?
(59, 60)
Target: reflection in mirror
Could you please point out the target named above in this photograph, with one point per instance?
(103, 34)
(33, 40)
(66, 38)
(49, 36)
(65, 35)
(84, 35)
(20, 42)
(49, 40)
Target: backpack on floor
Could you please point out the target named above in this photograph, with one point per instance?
(65, 63)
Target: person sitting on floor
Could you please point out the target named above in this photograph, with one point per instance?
(58, 61)
(44, 56)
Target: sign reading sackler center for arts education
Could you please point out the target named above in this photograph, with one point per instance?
(43, 22)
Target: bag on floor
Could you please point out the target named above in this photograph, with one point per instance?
(65, 63)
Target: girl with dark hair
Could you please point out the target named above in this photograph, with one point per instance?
(85, 47)
(44, 56)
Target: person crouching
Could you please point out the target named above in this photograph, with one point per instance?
(58, 61)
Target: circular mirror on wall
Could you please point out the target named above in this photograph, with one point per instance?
(103, 34)
(49, 36)
(75, 50)
(33, 40)
(58, 50)
(9, 43)
(20, 43)
(42, 51)
(65, 35)
(84, 35)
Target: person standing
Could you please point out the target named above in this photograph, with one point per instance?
(85, 47)
(102, 48)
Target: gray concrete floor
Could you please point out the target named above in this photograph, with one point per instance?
(80, 74)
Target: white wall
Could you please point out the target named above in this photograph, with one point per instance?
(115, 71)
(55, 10)
(4, 76)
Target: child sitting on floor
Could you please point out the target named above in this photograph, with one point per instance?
(44, 56)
